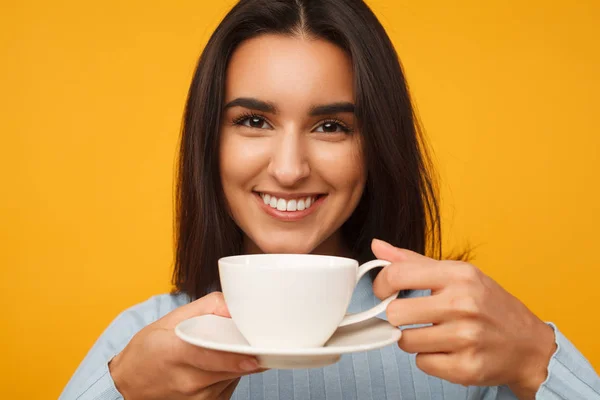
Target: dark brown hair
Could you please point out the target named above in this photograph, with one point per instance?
(399, 202)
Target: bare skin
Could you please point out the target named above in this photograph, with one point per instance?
(477, 337)
(156, 364)
(291, 148)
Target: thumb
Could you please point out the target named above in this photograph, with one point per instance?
(385, 251)
(213, 303)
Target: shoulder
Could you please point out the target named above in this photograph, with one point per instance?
(92, 375)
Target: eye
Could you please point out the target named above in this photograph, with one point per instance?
(333, 126)
(252, 121)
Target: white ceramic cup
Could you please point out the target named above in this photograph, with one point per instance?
(293, 300)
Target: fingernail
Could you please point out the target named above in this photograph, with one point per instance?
(249, 365)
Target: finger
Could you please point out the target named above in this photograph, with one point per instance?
(207, 378)
(385, 251)
(228, 392)
(196, 379)
(417, 310)
(192, 389)
(453, 367)
(431, 339)
(215, 361)
(213, 303)
(436, 364)
(410, 275)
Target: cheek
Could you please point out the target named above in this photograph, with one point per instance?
(241, 159)
(343, 168)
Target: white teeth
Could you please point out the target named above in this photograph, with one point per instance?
(291, 205)
(281, 206)
(301, 206)
(287, 205)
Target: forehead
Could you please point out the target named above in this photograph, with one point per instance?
(289, 71)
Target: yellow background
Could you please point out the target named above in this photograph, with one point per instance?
(91, 98)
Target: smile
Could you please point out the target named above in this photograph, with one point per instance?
(281, 204)
(289, 207)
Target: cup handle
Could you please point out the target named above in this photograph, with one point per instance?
(350, 319)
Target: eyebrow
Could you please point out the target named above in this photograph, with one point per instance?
(253, 104)
(267, 107)
(333, 108)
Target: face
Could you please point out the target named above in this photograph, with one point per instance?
(291, 161)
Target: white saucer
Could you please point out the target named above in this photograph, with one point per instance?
(219, 333)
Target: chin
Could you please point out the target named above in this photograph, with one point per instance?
(284, 247)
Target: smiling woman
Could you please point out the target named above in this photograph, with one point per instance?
(303, 109)
(299, 136)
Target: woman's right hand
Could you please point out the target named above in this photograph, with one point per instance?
(156, 364)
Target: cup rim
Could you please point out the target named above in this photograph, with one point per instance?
(241, 260)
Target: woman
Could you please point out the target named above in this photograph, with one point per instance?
(299, 137)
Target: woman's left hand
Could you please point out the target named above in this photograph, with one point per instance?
(481, 334)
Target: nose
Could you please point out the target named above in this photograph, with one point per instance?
(289, 163)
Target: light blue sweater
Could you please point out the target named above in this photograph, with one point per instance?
(387, 373)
